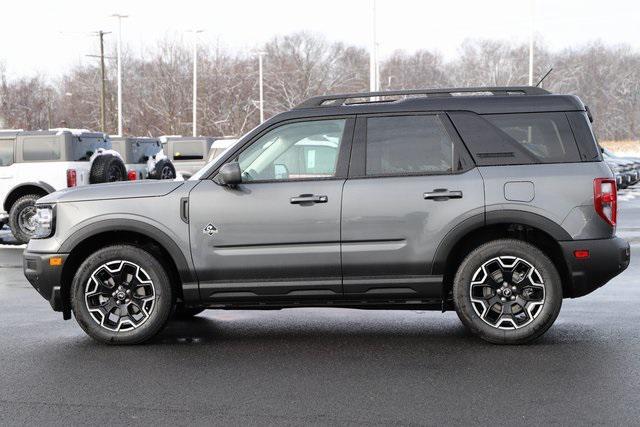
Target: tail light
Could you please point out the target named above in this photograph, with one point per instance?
(72, 180)
(132, 175)
(605, 199)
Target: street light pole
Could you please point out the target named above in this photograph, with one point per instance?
(261, 85)
(120, 17)
(373, 51)
(195, 81)
(531, 29)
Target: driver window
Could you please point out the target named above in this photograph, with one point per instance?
(302, 150)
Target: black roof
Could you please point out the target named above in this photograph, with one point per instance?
(481, 100)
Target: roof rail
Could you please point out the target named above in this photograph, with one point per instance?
(340, 99)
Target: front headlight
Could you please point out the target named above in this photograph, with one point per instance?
(44, 222)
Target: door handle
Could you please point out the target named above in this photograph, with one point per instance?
(442, 194)
(308, 198)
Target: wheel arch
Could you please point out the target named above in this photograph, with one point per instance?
(35, 187)
(473, 232)
(112, 231)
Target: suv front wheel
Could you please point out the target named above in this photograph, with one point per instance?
(121, 295)
(507, 292)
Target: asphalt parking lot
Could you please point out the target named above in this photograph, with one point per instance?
(325, 366)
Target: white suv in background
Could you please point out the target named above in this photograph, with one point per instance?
(34, 164)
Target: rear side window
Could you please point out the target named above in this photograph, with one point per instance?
(40, 149)
(408, 144)
(187, 150)
(6, 152)
(546, 136)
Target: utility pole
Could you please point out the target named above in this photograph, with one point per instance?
(374, 83)
(103, 80)
(261, 85)
(195, 81)
(120, 17)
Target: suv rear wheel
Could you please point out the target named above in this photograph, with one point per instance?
(22, 217)
(121, 295)
(507, 292)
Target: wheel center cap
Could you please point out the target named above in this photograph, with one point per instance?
(121, 295)
(506, 292)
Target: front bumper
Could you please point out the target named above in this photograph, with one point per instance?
(46, 278)
(607, 258)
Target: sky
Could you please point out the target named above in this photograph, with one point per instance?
(49, 37)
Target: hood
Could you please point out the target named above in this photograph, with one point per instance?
(113, 190)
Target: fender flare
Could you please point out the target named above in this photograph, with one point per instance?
(39, 184)
(476, 222)
(187, 277)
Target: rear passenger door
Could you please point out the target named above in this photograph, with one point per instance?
(410, 182)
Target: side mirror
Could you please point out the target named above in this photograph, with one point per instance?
(230, 174)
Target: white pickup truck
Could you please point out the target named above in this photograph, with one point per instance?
(34, 164)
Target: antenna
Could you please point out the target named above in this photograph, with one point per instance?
(544, 77)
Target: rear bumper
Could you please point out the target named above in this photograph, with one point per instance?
(44, 277)
(607, 258)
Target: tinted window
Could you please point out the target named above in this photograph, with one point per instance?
(408, 144)
(83, 148)
(6, 152)
(188, 150)
(303, 150)
(39, 149)
(547, 136)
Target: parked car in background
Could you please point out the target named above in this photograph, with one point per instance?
(190, 154)
(496, 205)
(34, 164)
(629, 174)
(629, 167)
(621, 180)
(144, 158)
(219, 146)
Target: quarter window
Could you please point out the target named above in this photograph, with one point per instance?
(302, 150)
(6, 152)
(547, 136)
(40, 149)
(408, 144)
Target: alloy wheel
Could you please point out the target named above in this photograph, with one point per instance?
(507, 292)
(120, 296)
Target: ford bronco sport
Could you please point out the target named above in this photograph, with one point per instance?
(143, 158)
(494, 202)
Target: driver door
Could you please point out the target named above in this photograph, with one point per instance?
(277, 234)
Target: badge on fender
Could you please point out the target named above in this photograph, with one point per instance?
(210, 229)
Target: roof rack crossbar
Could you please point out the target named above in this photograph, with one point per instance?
(340, 99)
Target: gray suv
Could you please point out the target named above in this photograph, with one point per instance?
(494, 202)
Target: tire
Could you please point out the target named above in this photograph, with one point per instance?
(107, 168)
(185, 313)
(517, 313)
(132, 317)
(21, 217)
(164, 170)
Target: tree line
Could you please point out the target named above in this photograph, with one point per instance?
(157, 88)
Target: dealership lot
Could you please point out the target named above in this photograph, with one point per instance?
(325, 366)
